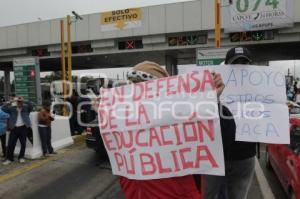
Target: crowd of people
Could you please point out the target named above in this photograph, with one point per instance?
(239, 156)
(15, 119)
(15, 124)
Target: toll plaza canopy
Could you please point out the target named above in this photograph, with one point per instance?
(169, 34)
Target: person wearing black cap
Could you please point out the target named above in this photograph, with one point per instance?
(238, 55)
(240, 159)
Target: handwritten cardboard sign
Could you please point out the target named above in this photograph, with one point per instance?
(163, 128)
(256, 95)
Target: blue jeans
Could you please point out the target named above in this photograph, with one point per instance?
(45, 136)
(3, 144)
(235, 184)
(15, 134)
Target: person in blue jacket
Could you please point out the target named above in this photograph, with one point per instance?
(3, 127)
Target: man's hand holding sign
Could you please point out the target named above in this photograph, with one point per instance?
(164, 128)
(219, 84)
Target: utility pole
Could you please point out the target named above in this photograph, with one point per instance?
(63, 62)
(63, 57)
(217, 23)
(69, 22)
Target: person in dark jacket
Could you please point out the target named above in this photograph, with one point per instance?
(240, 158)
(45, 118)
(184, 187)
(18, 124)
(74, 126)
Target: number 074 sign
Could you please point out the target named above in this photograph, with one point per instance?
(251, 15)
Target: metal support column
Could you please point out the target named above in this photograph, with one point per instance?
(7, 89)
(171, 65)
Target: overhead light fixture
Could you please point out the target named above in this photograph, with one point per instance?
(77, 16)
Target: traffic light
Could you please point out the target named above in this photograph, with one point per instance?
(32, 73)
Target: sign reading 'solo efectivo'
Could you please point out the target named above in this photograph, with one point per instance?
(121, 19)
(252, 15)
(27, 79)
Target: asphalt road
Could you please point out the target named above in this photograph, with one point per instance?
(74, 173)
(77, 173)
(271, 177)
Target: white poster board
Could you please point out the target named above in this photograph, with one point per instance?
(256, 95)
(163, 128)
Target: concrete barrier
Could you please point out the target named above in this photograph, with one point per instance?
(61, 136)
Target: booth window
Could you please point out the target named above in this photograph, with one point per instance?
(187, 39)
(130, 44)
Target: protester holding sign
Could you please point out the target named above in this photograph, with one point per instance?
(179, 187)
(183, 185)
(240, 161)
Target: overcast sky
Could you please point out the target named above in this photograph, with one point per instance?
(23, 11)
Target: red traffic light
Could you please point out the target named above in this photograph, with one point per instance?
(32, 73)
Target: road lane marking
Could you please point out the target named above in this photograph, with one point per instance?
(262, 181)
(30, 167)
(39, 163)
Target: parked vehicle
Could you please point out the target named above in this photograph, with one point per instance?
(96, 84)
(285, 161)
(294, 110)
(93, 137)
